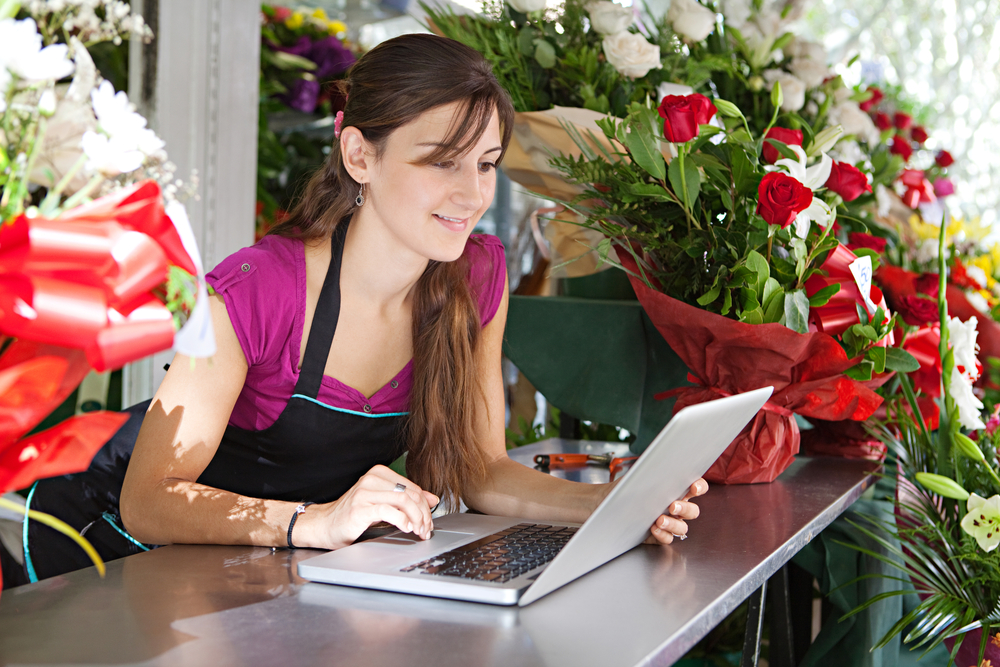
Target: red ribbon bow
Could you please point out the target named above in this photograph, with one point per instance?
(83, 280)
(841, 311)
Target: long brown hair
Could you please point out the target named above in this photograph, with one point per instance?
(388, 87)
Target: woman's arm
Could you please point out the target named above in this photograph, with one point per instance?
(162, 503)
(512, 489)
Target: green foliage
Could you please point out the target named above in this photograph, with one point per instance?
(527, 433)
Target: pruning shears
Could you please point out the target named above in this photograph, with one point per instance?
(615, 464)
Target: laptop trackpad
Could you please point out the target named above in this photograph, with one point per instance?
(439, 537)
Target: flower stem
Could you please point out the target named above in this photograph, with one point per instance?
(945, 444)
(51, 201)
(60, 526)
(83, 192)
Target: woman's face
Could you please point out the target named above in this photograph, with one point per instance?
(431, 209)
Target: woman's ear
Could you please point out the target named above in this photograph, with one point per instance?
(355, 153)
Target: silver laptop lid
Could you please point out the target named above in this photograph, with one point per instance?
(682, 452)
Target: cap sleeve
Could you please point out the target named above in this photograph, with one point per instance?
(487, 274)
(262, 287)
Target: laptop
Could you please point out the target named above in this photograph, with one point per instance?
(506, 561)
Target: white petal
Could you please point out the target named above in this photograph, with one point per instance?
(818, 175)
(974, 502)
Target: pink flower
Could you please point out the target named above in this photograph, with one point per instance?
(944, 187)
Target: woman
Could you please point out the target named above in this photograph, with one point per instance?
(368, 324)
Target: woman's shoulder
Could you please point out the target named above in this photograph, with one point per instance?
(263, 287)
(487, 273)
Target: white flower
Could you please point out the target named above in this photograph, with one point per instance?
(803, 48)
(47, 103)
(22, 57)
(792, 89)
(977, 274)
(609, 18)
(847, 151)
(969, 407)
(736, 12)
(812, 72)
(854, 121)
(926, 252)
(691, 19)
(883, 197)
(631, 54)
(983, 521)
(963, 342)
(110, 155)
(525, 6)
(978, 301)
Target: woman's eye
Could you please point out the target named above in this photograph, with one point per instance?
(486, 166)
(444, 165)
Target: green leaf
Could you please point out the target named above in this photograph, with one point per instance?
(710, 296)
(797, 311)
(774, 301)
(783, 148)
(897, 359)
(750, 300)
(823, 296)
(861, 372)
(545, 53)
(877, 356)
(526, 41)
(755, 316)
(649, 190)
(645, 150)
(761, 272)
(692, 176)
(743, 170)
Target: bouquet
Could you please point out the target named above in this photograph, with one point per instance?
(729, 248)
(98, 263)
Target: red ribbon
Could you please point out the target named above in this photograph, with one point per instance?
(83, 280)
(841, 311)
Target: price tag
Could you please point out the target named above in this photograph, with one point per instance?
(861, 268)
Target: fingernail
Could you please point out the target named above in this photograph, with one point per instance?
(657, 530)
(409, 527)
(675, 508)
(663, 522)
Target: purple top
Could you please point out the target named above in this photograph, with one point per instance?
(256, 283)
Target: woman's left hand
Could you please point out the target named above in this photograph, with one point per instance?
(674, 523)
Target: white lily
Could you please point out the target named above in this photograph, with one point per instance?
(983, 521)
(813, 177)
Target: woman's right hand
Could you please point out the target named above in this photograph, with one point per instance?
(372, 499)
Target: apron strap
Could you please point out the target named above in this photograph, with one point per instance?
(324, 323)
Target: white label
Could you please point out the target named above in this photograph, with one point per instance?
(861, 268)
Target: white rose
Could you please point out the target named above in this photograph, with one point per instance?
(609, 18)
(792, 88)
(812, 72)
(854, 121)
(525, 6)
(631, 54)
(803, 48)
(736, 12)
(691, 19)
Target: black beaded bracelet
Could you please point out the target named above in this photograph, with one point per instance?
(291, 524)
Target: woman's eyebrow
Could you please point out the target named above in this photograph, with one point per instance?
(440, 145)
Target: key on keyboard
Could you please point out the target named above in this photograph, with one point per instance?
(499, 557)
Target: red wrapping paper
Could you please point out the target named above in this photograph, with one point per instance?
(841, 311)
(728, 357)
(846, 439)
(84, 280)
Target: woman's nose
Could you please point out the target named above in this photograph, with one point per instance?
(468, 189)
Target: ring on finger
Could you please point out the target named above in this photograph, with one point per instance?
(399, 488)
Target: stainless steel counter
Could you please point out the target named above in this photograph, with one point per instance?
(202, 605)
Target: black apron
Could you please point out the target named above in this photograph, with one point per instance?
(312, 452)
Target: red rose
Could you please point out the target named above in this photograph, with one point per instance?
(918, 189)
(857, 240)
(918, 134)
(785, 136)
(917, 310)
(901, 146)
(873, 100)
(944, 159)
(781, 198)
(959, 276)
(682, 114)
(847, 181)
(882, 121)
(902, 120)
(928, 283)
(281, 14)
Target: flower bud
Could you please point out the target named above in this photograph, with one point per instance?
(968, 447)
(825, 140)
(756, 83)
(941, 485)
(728, 109)
(47, 103)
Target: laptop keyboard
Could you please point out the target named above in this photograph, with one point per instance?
(499, 557)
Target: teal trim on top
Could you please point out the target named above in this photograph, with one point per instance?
(350, 412)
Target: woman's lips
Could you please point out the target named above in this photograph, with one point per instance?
(453, 224)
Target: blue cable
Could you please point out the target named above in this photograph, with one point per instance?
(32, 577)
(110, 519)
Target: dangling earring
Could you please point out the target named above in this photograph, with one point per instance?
(360, 199)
